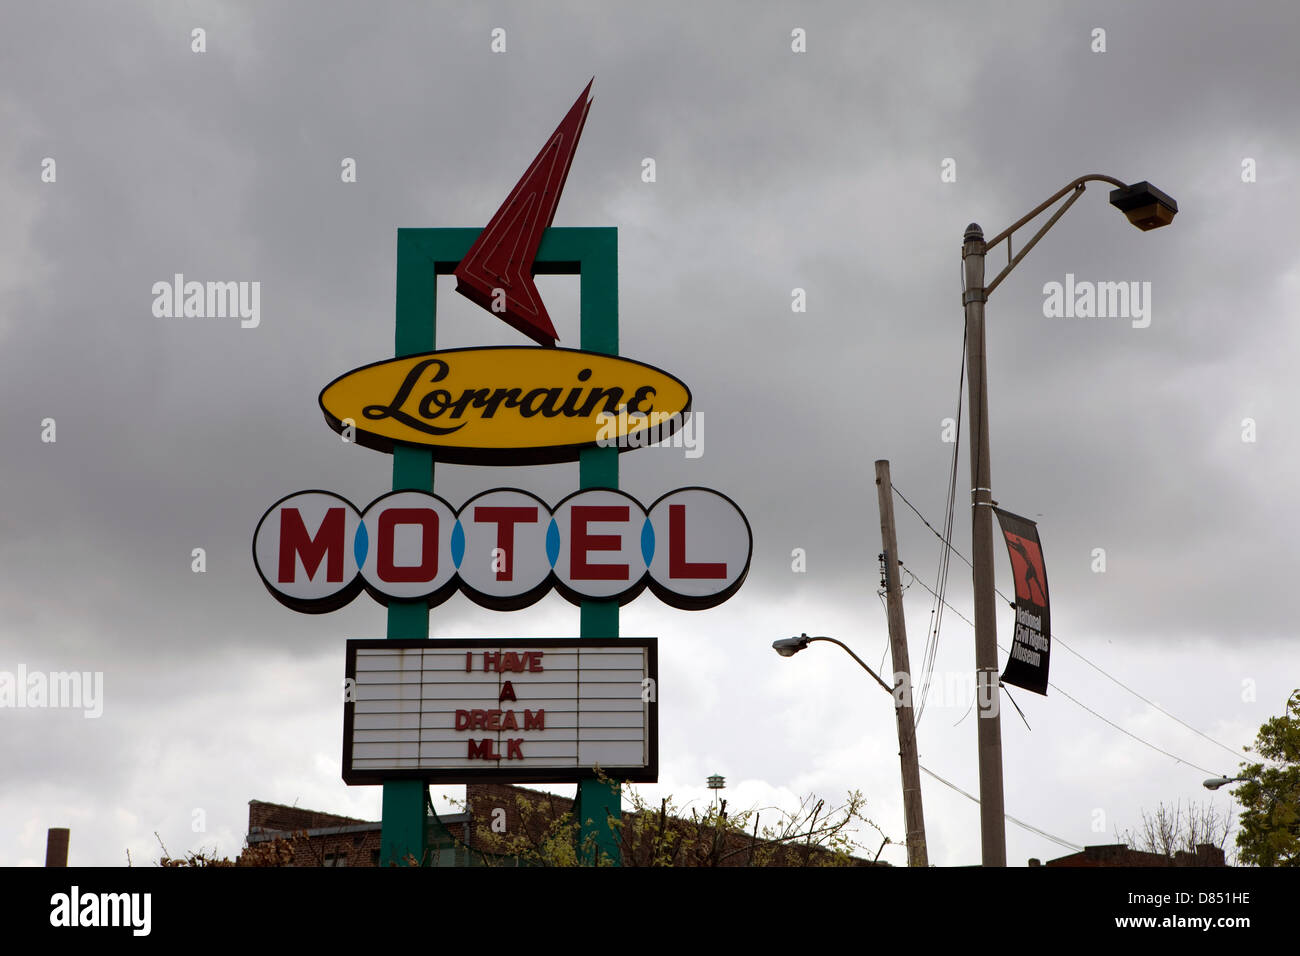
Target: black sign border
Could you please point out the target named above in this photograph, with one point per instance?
(635, 774)
(545, 455)
(626, 596)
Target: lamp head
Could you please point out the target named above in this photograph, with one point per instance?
(1145, 206)
(790, 646)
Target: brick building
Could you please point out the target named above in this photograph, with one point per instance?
(318, 839)
(470, 838)
(1118, 854)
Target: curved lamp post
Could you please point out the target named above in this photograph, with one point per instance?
(917, 854)
(790, 646)
(1147, 208)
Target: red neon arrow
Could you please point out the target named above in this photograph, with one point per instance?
(497, 272)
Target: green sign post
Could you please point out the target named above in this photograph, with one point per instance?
(422, 256)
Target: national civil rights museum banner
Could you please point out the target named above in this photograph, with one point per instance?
(1031, 643)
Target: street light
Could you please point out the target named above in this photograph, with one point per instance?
(913, 814)
(1147, 208)
(790, 646)
(1214, 783)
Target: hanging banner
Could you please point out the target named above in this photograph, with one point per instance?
(1031, 643)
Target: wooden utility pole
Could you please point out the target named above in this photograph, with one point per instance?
(902, 669)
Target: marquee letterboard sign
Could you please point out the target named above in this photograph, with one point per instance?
(452, 711)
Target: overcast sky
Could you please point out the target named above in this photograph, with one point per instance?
(775, 170)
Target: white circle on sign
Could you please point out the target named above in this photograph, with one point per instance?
(304, 551)
(701, 548)
(408, 547)
(503, 564)
(596, 546)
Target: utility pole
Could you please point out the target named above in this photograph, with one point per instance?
(988, 694)
(902, 669)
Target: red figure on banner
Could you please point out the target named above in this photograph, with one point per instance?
(1027, 568)
(497, 272)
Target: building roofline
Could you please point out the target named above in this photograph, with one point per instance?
(262, 835)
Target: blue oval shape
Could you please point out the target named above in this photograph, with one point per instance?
(552, 543)
(361, 544)
(457, 544)
(647, 541)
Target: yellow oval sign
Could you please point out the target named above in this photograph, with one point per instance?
(506, 406)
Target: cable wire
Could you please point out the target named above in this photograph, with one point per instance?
(941, 578)
(1063, 644)
(1020, 823)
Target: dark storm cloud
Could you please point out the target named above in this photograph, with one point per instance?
(775, 171)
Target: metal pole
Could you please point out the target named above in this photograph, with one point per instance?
(993, 831)
(404, 802)
(598, 806)
(913, 813)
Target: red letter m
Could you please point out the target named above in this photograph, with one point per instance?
(482, 749)
(295, 542)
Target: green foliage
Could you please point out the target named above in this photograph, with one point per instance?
(1270, 800)
(667, 835)
(811, 835)
(546, 836)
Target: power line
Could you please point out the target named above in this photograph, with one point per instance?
(1020, 823)
(946, 542)
(884, 650)
(1212, 773)
(950, 607)
(1097, 668)
(941, 577)
(1149, 702)
(1075, 700)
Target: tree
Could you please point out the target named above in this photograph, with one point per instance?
(277, 852)
(811, 835)
(547, 835)
(1170, 830)
(1270, 799)
(814, 834)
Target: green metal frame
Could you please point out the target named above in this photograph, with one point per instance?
(422, 256)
